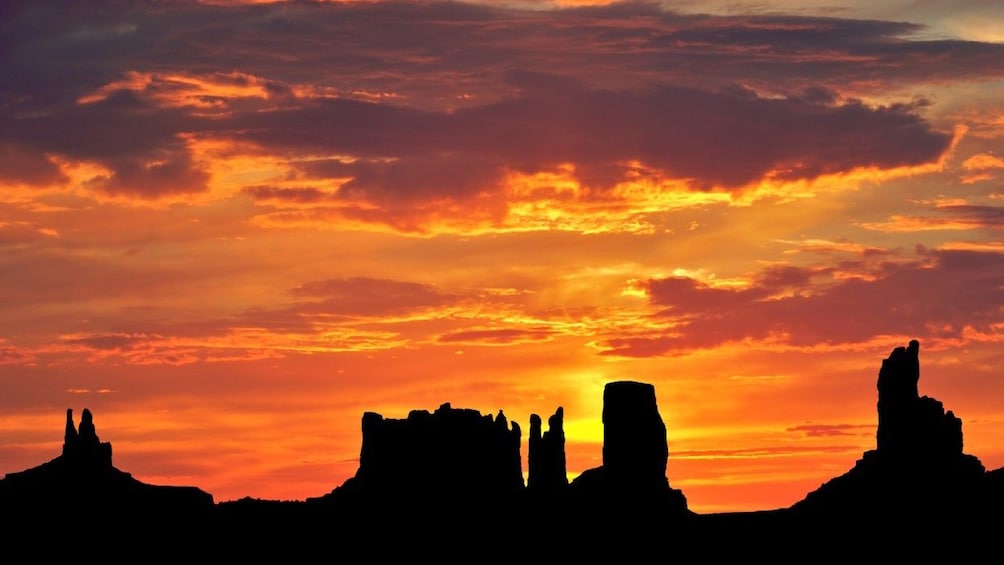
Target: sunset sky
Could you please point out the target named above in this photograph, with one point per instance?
(230, 228)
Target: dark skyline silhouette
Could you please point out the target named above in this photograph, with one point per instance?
(436, 482)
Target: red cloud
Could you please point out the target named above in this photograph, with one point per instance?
(725, 138)
(943, 294)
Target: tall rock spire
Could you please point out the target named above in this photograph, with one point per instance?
(909, 425)
(918, 466)
(547, 473)
(70, 436)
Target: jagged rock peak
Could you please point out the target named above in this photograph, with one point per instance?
(910, 425)
(82, 446)
(547, 472)
(900, 373)
(918, 468)
(83, 480)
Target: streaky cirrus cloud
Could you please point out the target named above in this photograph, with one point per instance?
(825, 430)
(946, 217)
(156, 349)
(758, 452)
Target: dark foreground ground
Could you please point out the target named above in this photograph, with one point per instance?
(298, 532)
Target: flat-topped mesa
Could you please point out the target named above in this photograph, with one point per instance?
(634, 436)
(547, 471)
(450, 455)
(911, 426)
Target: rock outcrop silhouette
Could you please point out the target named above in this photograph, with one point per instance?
(547, 474)
(83, 448)
(918, 469)
(635, 453)
(463, 458)
(910, 426)
(451, 456)
(468, 466)
(82, 481)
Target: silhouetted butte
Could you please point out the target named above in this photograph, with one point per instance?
(918, 472)
(635, 453)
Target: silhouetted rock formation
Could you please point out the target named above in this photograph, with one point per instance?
(635, 452)
(451, 456)
(83, 448)
(911, 426)
(546, 470)
(634, 436)
(918, 468)
(83, 481)
(467, 467)
(447, 484)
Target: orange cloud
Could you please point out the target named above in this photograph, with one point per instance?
(491, 336)
(983, 167)
(982, 162)
(205, 92)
